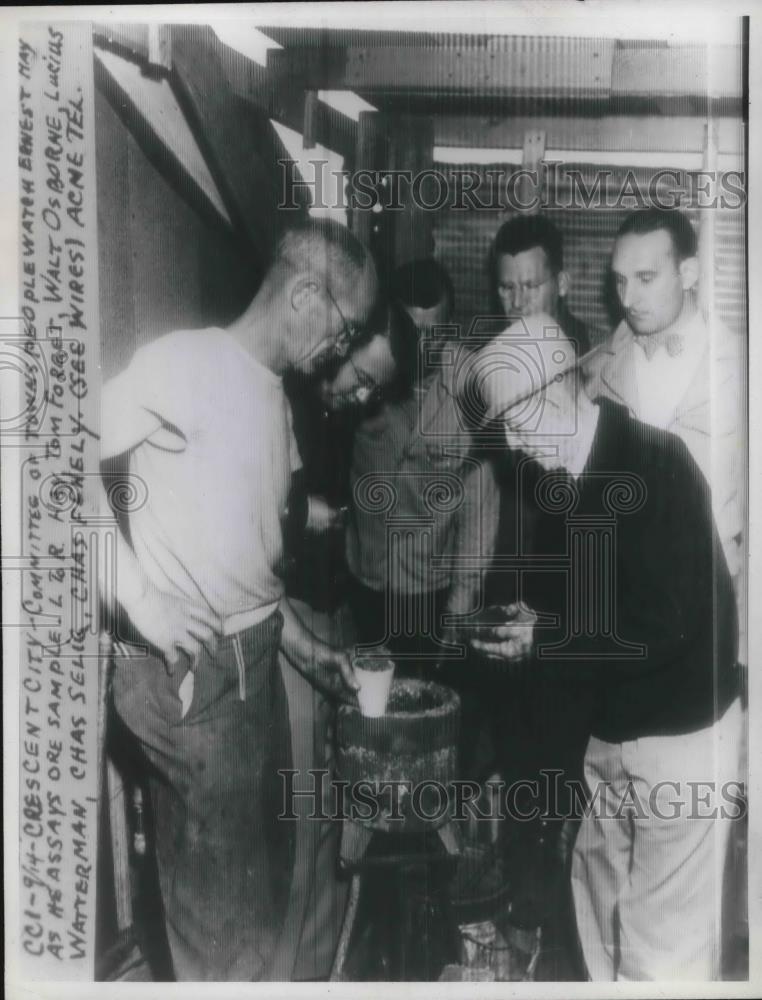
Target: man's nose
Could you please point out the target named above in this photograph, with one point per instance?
(519, 298)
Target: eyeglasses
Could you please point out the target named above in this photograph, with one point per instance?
(527, 287)
(369, 391)
(349, 334)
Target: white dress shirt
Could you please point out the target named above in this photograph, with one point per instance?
(663, 379)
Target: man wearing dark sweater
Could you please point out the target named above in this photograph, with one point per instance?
(631, 609)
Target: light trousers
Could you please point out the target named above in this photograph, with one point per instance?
(647, 868)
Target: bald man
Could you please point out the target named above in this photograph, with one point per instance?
(205, 421)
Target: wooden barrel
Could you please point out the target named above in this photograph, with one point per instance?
(399, 766)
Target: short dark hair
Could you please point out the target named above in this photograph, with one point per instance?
(422, 283)
(525, 232)
(672, 221)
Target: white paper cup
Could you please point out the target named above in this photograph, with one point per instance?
(375, 685)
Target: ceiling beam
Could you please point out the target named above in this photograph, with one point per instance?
(609, 133)
(165, 140)
(238, 148)
(248, 80)
(285, 104)
(575, 68)
(535, 69)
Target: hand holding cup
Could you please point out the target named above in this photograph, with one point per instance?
(506, 633)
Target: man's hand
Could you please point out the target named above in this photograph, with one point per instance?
(326, 667)
(174, 626)
(331, 669)
(511, 642)
(322, 517)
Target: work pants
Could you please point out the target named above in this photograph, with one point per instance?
(224, 859)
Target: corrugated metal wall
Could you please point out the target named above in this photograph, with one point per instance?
(463, 238)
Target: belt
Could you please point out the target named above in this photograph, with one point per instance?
(243, 620)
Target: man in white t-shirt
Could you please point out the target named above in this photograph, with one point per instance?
(207, 426)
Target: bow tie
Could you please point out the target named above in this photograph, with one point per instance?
(673, 343)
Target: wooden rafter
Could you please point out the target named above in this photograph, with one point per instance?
(521, 75)
(175, 169)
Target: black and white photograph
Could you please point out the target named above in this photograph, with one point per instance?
(378, 477)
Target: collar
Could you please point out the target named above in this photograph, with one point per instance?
(687, 338)
(611, 371)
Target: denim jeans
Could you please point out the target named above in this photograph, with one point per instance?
(225, 861)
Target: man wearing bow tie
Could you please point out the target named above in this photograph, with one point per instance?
(676, 369)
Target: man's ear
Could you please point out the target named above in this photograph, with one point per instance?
(563, 284)
(689, 272)
(302, 291)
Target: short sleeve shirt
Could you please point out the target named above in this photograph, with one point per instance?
(216, 471)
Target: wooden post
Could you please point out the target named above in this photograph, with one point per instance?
(310, 119)
(528, 191)
(372, 226)
(413, 152)
(366, 158)
(707, 224)
(160, 46)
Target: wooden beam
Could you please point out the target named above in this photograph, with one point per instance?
(310, 119)
(128, 39)
(677, 70)
(707, 220)
(569, 68)
(202, 196)
(283, 100)
(513, 75)
(532, 156)
(159, 46)
(247, 80)
(232, 144)
(636, 133)
(413, 150)
(371, 153)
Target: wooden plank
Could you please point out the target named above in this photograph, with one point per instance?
(533, 154)
(115, 260)
(677, 70)
(283, 100)
(636, 133)
(370, 154)
(707, 223)
(522, 76)
(542, 67)
(159, 46)
(413, 150)
(129, 39)
(247, 181)
(190, 179)
(309, 140)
